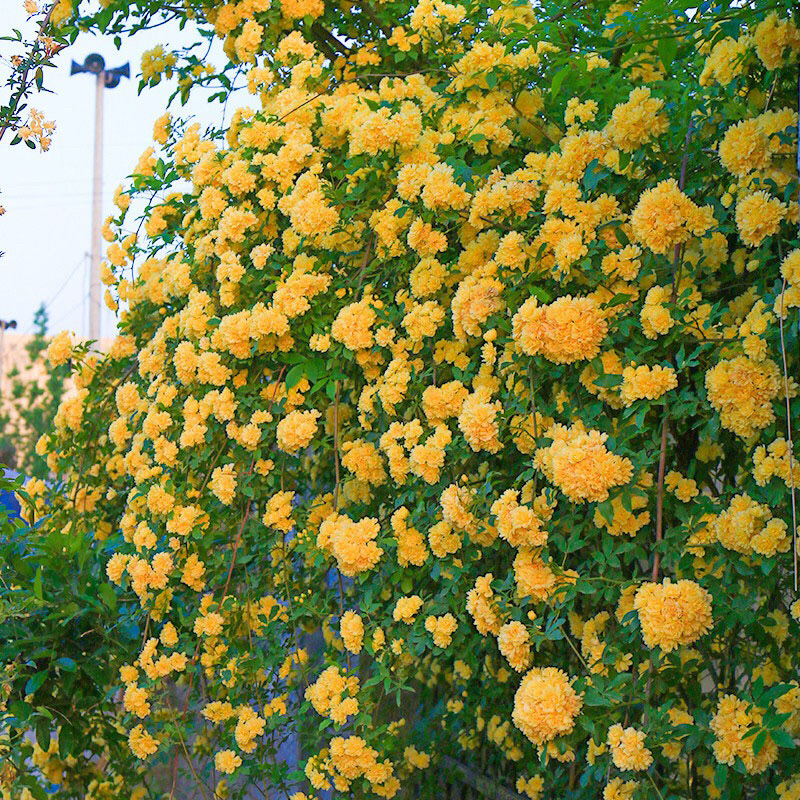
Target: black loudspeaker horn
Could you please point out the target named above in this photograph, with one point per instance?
(93, 63)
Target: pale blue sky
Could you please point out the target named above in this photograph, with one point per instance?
(46, 230)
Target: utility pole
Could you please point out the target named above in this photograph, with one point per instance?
(5, 324)
(106, 79)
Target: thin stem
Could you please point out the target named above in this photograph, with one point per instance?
(662, 463)
(661, 796)
(789, 438)
(336, 447)
(12, 107)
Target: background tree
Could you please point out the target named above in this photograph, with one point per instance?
(32, 398)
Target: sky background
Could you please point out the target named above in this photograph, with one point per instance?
(46, 230)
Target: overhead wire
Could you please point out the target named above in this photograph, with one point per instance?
(63, 286)
(70, 311)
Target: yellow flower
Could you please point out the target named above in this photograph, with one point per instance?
(59, 351)
(645, 382)
(296, 430)
(567, 330)
(223, 483)
(742, 391)
(758, 215)
(637, 121)
(227, 761)
(628, 751)
(406, 609)
(351, 543)
(442, 628)
(673, 614)
(142, 744)
(513, 642)
(546, 705)
(248, 728)
(351, 629)
(579, 464)
(732, 721)
(665, 217)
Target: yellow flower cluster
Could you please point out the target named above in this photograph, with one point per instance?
(746, 526)
(569, 329)
(665, 217)
(326, 695)
(645, 382)
(627, 747)
(351, 629)
(351, 543)
(580, 465)
(545, 705)
(742, 391)
(733, 719)
(673, 614)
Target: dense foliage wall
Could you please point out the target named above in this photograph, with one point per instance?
(470, 344)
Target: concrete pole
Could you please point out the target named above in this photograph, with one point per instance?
(95, 287)
(2, 360)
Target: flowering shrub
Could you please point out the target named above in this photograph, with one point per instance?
(468, 347)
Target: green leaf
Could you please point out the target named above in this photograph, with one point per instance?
(35, 681)
(593, 175)
(558, 79)
(667, 48)
(541, 294)
(107, 595)
(720, 776)
(66, 741)
(781, 738)
(593, 698)
(43, 734)
(37, 584)
(35, 789)
(294, 375)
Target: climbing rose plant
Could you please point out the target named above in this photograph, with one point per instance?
(449, 426)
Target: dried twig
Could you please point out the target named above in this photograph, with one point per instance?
(786, 385)
(662, 457)
(789, 439)
(336, 448)
(483, 785)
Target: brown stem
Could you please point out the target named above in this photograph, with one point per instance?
(304, 103)
(662, 462)
(771, 91)
(236, 547)
(485, 786)
(662, 458)
(335, 47)
(246, 516)
(367, 9)
(336, 448)
(365, 261)
(200, 782)
(12, 108)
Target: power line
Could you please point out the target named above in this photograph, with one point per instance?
(61, 288)
(66, 314)
(69, 278)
